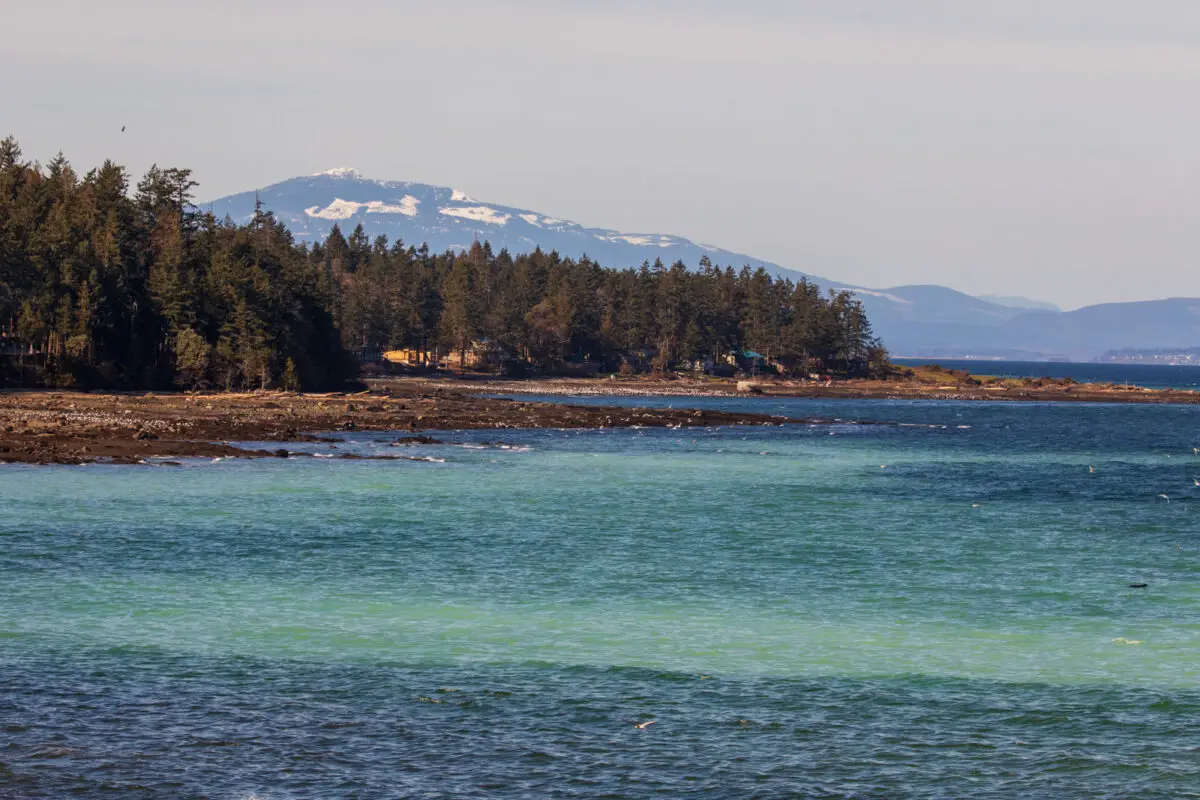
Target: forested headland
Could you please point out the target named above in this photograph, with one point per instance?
(105, 287)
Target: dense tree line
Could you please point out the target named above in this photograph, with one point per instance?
(550, 310)
(114, 289)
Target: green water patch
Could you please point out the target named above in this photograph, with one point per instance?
(270, 620)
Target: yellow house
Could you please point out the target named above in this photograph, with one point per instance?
(481, 353)
(411, 357)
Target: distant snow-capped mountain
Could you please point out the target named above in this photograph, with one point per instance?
(446, 218)
(922, 321)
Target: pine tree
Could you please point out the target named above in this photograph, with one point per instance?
(290, 380)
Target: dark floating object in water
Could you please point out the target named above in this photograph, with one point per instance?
(411, 440)
(1138, 585)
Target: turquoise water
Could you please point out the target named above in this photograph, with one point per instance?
(935, 607)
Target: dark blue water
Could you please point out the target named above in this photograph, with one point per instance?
(1151, 376)
(934, 607)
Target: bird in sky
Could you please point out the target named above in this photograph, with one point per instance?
(122, 129)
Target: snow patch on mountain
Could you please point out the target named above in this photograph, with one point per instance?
(551, 223)
(338, 209)
(341, 209)
(638, 240)
(477, 214)
(339, 172)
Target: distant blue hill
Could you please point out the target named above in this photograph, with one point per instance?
(921, 321)
(1014, 301)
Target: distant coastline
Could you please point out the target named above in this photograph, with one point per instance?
(1145, 375)
(923, 383)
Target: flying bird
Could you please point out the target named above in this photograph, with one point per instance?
(122, 129)
(1091, 469)
(1164, 497)
(641, 726)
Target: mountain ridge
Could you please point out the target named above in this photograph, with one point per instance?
(448, 218)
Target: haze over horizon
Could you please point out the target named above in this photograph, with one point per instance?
(1046, 151)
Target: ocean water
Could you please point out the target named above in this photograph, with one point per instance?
(1151, 376)
(936, 606)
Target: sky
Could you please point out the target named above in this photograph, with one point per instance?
(1047, 148)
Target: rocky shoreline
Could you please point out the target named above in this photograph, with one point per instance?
(48, 427)
(62, 427)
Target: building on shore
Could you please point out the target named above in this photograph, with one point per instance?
(482, 354)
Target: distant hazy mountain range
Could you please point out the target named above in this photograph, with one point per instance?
(919, 321)
(1019, 302)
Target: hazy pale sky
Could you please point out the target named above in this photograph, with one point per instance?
(1041, 147)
